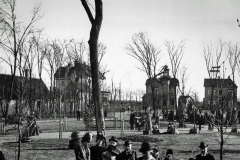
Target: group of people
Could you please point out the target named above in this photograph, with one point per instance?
(111, 152)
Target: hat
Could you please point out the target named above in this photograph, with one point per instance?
(203, 145)
(145, 147)
(113, 138)
(75, 135)
(86, 138)
(169, 151)
(127, 142)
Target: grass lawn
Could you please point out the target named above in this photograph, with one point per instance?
(184, 145)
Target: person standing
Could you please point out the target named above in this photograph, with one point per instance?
(132, 117)
(112, 151)
(204, 155)
(82, 151)
(146, 151)
(128, 153)
(96, 151)
(200, 119)
(212, 117)
(78, 115)
(239, 116)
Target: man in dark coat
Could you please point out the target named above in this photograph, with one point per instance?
(204, 155)
(82, 152)
(96, 151)
(132, 116)
(146, 150)
(128, 153)
(169, 155)
(112, 151)
(239, 116)
(78, 115)
(200, 120)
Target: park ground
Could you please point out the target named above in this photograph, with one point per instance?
(48, 146)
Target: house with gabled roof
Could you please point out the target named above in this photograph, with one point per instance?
(33, 89)
(75, 84)
(218, 88)
(164, 91)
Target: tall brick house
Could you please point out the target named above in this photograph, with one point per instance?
(164, 91)
(74, 83)
(220, 87)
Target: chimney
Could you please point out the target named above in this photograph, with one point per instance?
(166, 71)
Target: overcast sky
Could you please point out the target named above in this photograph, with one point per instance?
(197, 21)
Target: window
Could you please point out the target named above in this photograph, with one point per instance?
(215, 91)
(220, 92)
(214, 103)
(172, 101)
(208, 92)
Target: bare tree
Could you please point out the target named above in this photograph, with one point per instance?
(30, 62)
(50, 68)
(214, 59)
(40, 51)
(76, 51)
(233, 59)
(183, 81)
(148, 56)
(175, 54)
(13, 34)
(93, 45)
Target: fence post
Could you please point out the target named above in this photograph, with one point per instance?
(115, 122)
(122, 129)
(60, 129)
(3, 125)
(65, 123)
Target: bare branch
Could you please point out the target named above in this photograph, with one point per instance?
(87, 9)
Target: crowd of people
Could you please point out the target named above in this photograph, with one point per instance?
(84, 151)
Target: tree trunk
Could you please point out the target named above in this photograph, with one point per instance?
(221, 143)
(93, 41)
(153, 98)
(93, 45)
(175, 100)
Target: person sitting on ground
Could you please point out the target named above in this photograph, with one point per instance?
(170, 130)
(147, 151)
(155, 128)
(169, 155)
(204, 155)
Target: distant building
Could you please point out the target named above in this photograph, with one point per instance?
(220, 87)
(75, 85)
(33, 89)
(164, 91)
